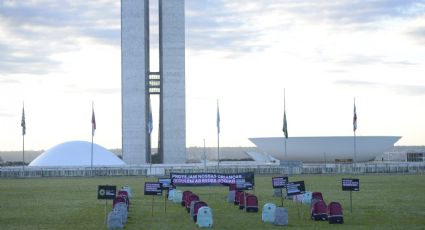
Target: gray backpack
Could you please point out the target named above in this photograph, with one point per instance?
(280, 216)
(231, 196)
(115, 220)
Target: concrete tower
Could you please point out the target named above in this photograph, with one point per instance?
(172, 69)
(138, 82)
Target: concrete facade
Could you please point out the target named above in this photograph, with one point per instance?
(172, 68)
(134, 68)
(135, 81)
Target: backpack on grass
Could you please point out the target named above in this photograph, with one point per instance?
(319, 211)
(267, 215)
(204, 218)
(115, 220)
(281, 216)
(335, 215)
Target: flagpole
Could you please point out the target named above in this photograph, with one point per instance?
(218, 136)
(23, 136)
(23, 152)
(354, 132)
(218, 150)
(91, 164)
(285, 124)
(92, 135)
(355, 149)
(205, 158)
(150, 128)
(284, 112)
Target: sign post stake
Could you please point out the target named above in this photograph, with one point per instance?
(295, 188)
(166, 184)
(153, 198)
(281, 196)
(298, 209)
(165, 202)
(106, 215)
(350, 184)
(280, 183)
(153, 189)
(106, 192)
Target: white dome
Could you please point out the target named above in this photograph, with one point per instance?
(77, 153)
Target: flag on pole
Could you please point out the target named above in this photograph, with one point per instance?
(93, 122)
(150, 122)
(355, 117)
(285, 125)
(218, 119)
(24, 128)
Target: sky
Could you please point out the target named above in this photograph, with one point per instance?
(59, 57)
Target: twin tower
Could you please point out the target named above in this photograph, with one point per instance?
(139, 82)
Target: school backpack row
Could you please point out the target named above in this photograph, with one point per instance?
(320, 211)
(117, 218)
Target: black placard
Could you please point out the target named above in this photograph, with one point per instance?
(295, 188)
(350, 184)
(279, 182)
(242, 184)
(166, 183)
(153, 188)
(106, 192)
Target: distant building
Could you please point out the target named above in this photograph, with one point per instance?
(326, 149)
(404, 153)
(139, 82)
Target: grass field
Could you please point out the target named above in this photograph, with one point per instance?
(383, 202)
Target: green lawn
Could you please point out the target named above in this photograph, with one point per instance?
(383, 202)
